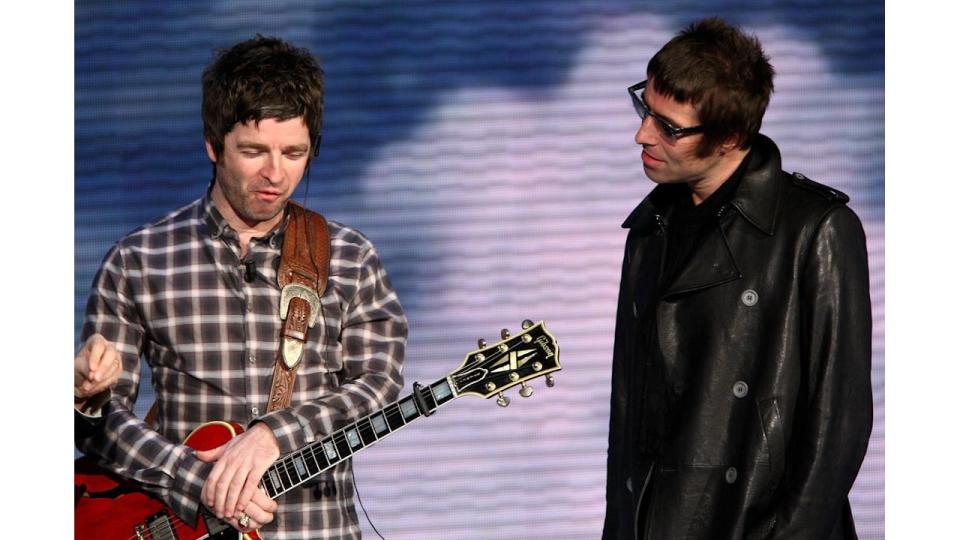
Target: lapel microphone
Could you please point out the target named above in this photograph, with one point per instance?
(249, 270)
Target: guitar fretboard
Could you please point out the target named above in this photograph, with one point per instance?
(300, 466)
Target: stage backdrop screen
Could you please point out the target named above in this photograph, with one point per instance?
(486, 148)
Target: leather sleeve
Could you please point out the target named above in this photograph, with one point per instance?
(835, 407)
(616, 468)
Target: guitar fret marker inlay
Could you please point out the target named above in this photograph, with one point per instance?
(330, 450)
(301, 466)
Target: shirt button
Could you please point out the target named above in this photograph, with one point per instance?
(731, 475)
(255, 411)
(253, 359)
(749, 297)
(740, 389)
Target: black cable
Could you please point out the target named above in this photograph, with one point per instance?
(356, 490)
(306, 187)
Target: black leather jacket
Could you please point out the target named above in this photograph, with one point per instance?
(765, 340)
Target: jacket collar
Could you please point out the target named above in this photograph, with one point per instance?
(756, 199)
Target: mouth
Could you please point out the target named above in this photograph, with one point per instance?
(267, 195)
(649, 160)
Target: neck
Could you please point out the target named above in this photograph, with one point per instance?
(703, 188)
(245, 229)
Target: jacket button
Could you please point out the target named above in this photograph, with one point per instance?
(635, 312)
(731, 475)
(740, 389)
(630, 484)
(749, 297)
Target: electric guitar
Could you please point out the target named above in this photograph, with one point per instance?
(108, 507)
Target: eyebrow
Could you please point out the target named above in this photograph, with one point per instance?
(258, 146)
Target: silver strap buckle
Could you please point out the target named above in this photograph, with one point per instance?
(293, 348)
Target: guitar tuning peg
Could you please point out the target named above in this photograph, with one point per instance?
(550, 381)
(525, 390)
(504, 333)
(527, 323)
(503, 400)
(481, 343)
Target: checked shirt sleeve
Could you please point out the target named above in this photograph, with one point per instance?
(373, 337)
(122, 442)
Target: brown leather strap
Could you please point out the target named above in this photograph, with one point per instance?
(304, 268)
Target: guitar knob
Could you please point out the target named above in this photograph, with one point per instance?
(550, 381)
(504, 333)
(481, 343)
(526, 390)
(503, 400)
(527, 323)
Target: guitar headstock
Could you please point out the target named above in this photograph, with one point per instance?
(491, 369)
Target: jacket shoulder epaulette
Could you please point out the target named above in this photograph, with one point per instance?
(824, 191)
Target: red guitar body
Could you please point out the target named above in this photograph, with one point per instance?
(108, 507)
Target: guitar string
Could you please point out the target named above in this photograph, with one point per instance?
(286, 466)
(287, 462)
(175, 523)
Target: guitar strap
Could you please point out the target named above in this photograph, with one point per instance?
(302, 276)
(304, 268)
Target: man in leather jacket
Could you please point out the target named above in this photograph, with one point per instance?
(741, 404)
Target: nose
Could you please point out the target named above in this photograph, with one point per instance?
(647, 133)
(271, 169)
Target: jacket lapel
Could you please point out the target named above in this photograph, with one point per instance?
(757, 201)
(713, 264)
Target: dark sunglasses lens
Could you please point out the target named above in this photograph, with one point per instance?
(665, 131)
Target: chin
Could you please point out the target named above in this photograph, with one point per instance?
(658, 178)
(264, 214)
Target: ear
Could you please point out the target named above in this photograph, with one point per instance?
(210, 153)
(730, 144)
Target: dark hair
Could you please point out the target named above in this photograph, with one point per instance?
(723, 73)
(261, 78)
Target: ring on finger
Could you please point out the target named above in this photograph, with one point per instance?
(244, 520)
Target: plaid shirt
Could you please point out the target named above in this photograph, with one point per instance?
(173, 293)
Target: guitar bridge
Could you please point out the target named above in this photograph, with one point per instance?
(158, 526)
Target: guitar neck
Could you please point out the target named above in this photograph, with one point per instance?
(299, 467)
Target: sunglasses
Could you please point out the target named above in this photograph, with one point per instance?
(668, 131)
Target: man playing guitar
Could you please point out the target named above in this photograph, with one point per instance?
(196, 295)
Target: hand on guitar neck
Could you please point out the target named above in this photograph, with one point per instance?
(96, 368)
(232, 489)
